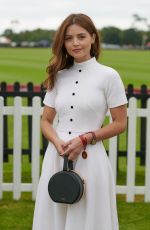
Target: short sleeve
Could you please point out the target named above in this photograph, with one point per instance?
(49, 98)
(115, 91)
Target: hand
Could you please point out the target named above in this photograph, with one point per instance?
(60, 146)
(73, 148)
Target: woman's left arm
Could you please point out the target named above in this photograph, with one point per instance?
(118, 125)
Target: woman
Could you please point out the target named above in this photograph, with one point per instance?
(80, 91)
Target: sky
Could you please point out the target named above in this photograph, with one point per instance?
(21, 15)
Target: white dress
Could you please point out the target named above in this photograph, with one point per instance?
(81, 96)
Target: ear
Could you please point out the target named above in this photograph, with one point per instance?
(93, 38)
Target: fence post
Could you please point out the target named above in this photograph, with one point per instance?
(30, 89)
(1, 146)
(44, 140)
(143, 124)
(131, 149)
(130, 91)
(113, 153)
(16, 86)
(147, 165)
(130, 94)
(5, 126)
(36, 114)
(17, 148)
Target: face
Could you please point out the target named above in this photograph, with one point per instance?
(78, 43)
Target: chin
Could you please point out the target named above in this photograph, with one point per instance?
(79, 57)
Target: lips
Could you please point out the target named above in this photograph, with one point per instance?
(76, 50)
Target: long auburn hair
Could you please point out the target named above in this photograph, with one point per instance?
(61, 59)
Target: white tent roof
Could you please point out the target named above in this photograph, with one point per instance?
(4, 40)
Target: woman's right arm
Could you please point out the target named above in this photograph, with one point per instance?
(48, 131)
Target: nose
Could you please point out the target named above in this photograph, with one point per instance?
(75, 42)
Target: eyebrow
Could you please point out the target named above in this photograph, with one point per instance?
(77, 34)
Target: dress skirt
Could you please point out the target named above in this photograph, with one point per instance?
(97, 208)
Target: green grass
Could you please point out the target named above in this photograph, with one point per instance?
(18, 214)
(26, 65)
(133, 66)
(23, 65)
(133, 216)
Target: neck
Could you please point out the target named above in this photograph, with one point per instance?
(82, 59)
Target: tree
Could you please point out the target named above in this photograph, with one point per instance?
(8, 33)
(111, 35)
(132, 37)
(35, 35)
(139, 22)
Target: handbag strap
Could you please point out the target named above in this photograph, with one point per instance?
(68, 164)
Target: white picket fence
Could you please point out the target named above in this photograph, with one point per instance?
(16, 186)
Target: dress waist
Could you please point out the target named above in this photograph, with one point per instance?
(67, 131)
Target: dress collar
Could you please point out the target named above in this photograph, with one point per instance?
(85, 63)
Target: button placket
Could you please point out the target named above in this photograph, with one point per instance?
(71, 119)
(71, 107)
(74, 94)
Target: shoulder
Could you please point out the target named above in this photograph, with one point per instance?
(107, 72)
(109, 76)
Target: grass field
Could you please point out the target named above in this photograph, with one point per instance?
(26, 65)
(17, 215)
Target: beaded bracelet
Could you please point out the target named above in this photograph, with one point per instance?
(83, 140)
(94, 140)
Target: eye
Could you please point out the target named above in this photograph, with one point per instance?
(67, 38)
(81, 37)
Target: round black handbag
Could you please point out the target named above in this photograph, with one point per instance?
(66, 186)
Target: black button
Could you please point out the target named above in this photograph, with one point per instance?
(69, 132)
(80, 70)
(73, 94)
(71, 119)
(71, 106)
(76, 82)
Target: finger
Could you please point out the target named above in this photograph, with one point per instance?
(61, 154)
(64, 154)
(67, 144)
(60, 151)
(65, 148)
(67, 151)
(71, 157)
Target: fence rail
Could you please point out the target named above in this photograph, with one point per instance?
(35, 111)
